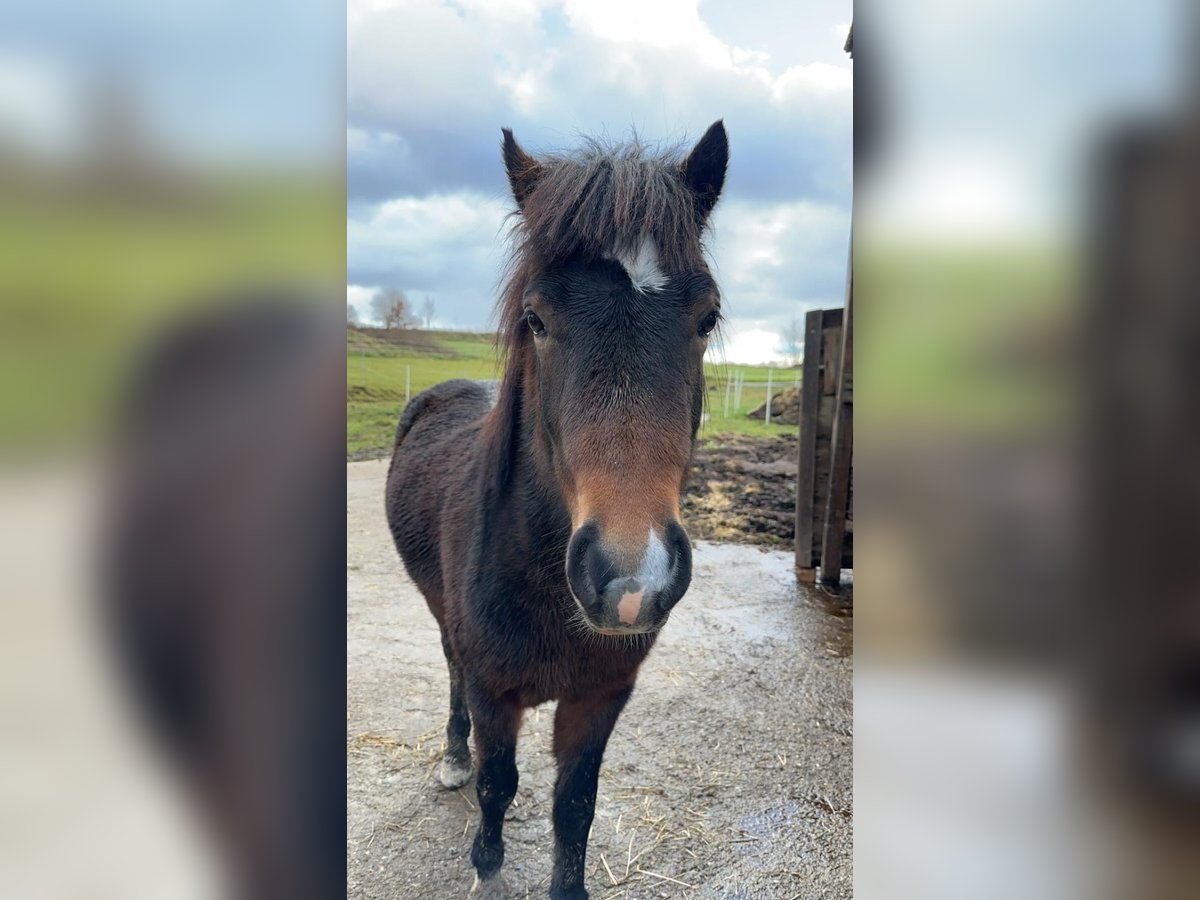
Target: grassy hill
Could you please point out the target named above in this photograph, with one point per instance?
(380, 363)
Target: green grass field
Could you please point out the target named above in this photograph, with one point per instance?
(376, 371)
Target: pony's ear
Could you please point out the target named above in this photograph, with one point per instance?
(704, 169)
(523, 170)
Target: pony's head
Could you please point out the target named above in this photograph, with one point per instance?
(605, 319)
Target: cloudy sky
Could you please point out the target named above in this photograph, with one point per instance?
(430, 84)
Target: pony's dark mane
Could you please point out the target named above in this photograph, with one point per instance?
(600, 198)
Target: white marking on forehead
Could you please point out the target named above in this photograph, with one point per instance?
(641, 265)
(655, 570)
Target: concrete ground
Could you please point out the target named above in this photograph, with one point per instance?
(729, 775)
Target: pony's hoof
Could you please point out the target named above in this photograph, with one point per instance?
(454, 774)
(494, 888)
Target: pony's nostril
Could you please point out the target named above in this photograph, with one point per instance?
(583, 566)
(601, 569)
(680, 550)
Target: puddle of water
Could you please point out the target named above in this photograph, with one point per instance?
(764, 824)
(754, 594)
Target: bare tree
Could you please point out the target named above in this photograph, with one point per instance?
(427, 311)
(390, 307)
(351, 314)
(793, 341)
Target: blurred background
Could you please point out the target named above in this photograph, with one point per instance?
(172, 247)
(172, 262)
(1026, 699)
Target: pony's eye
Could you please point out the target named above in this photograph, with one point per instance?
(708, 323)
(532, 320)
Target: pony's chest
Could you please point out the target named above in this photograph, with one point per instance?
(570, 675)
(544, 662)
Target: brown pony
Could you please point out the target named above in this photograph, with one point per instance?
(542, 525)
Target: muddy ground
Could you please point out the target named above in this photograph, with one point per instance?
(743, 489)
(728, 776)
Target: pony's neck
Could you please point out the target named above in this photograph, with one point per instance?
(519, 465)
(525, 501)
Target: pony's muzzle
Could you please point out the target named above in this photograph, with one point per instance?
(623, 592)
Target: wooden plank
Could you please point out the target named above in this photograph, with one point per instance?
(807, 474)
(831, 337)
(833, 532)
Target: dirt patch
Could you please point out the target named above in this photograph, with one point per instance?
(743, 489)
(728, 776)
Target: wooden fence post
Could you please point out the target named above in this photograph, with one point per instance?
(769, 373)
(840, 448)
(810, 396)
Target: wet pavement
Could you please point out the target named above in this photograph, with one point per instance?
(729, 775)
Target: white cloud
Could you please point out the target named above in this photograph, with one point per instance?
(425, 229)
(515, 10)
(658, 25)
(677, 25)
(448, 247)
(772, 258)
(813, 78)
(748, 345)
(415, 64)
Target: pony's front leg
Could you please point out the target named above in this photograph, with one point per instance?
(581, 730)
(496, 723)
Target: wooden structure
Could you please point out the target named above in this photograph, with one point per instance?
(824, 521)
(824, 499)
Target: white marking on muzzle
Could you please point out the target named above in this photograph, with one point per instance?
(641, 265)
(654, 573)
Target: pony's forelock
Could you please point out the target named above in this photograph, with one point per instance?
(602, 199)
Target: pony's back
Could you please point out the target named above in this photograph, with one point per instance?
(436, 442)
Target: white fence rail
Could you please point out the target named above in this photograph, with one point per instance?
(736, 383)
(733, 385)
